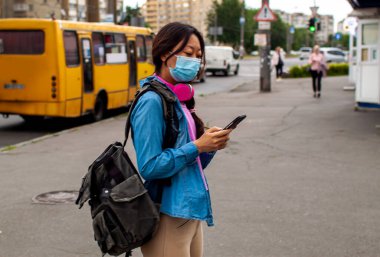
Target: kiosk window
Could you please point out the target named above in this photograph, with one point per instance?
(370, 34)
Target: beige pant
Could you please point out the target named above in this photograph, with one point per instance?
(175, 238)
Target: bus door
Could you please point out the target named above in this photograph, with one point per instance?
(132, 69)
(87, 75)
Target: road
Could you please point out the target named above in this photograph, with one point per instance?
(13, 130)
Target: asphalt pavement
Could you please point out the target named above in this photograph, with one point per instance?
(300, 177)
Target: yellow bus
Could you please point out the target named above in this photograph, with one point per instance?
(68, 69)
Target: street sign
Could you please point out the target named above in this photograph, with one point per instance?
(242, 20)
(215, 31)
(264, 25)
(260, 40)
(292, 30)
(265, 14)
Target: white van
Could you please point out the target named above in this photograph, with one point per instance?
(222, 59)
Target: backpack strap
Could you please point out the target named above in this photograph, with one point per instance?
(168, 105)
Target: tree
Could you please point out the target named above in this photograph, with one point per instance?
(130, 12)
(226, 15)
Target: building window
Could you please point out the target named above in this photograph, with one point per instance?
(71, 48)
(115, 48)
(22, 42)
(98, 46)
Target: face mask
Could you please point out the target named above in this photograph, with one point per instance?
(186, 68)
(184, 92)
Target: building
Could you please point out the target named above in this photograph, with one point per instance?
(157, 13)
(76, 10)
(327, 28)
(30, 8)
(301, 20)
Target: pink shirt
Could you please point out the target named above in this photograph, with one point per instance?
(191, 127)
(316, 61)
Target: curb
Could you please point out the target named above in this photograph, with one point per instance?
(9, 148)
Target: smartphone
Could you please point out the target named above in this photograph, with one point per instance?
(233, 124)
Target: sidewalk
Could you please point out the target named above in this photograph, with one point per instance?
(300, 177)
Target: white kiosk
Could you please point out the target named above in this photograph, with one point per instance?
(367, 77)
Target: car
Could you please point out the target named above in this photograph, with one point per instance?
(221, 59)
(255, 53)
(305, 53)
(333, 54)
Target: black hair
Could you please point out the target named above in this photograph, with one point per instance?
(166, 39)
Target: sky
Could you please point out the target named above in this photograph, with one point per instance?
(338, 8)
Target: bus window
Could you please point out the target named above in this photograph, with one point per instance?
(71, 48)
(98, 45)
(22, 42)
(115, 48)
(149, 45)
(140, 47)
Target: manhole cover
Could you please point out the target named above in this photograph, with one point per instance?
(55, 197)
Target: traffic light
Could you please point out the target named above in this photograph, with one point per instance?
(312, 24)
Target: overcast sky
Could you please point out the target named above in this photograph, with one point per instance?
(338, 8)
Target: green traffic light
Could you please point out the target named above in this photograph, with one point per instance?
(312, 29)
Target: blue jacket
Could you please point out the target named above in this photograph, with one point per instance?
(187, 196)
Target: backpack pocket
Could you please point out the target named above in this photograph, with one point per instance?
(108, 234)
(128, 190)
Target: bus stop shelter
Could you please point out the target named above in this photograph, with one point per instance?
(366, 52)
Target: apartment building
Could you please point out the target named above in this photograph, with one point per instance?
(301, 20)
(30, 8)
(327, 28)
(76, 10)
(157, 13)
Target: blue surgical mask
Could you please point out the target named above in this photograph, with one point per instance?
(186, 68)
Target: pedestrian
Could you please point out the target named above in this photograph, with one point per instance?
(318, 68)
(178, 51)
(278, 62)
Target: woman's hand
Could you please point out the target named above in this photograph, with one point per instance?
(213, 139)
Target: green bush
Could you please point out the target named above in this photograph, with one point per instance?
(335, 69)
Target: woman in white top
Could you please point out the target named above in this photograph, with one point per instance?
(318, 69)
(278, 62)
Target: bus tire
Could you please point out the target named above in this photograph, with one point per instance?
(100, 108)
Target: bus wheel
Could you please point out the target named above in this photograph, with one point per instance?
(100, 109)
(32, 119)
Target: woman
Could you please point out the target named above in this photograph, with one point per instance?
(278, 62)
(178, 51)
(317, 68)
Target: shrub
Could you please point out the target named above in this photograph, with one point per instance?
(302, 71)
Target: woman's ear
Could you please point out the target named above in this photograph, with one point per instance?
(164, 57)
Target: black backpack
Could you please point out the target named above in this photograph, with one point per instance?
(124, 215)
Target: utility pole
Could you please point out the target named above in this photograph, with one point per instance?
(216, 27)
(265, 61)
(242, 21)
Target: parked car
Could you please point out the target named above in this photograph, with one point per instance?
(333, 54)
(221, 59)
(305, 53)
(255, 53)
